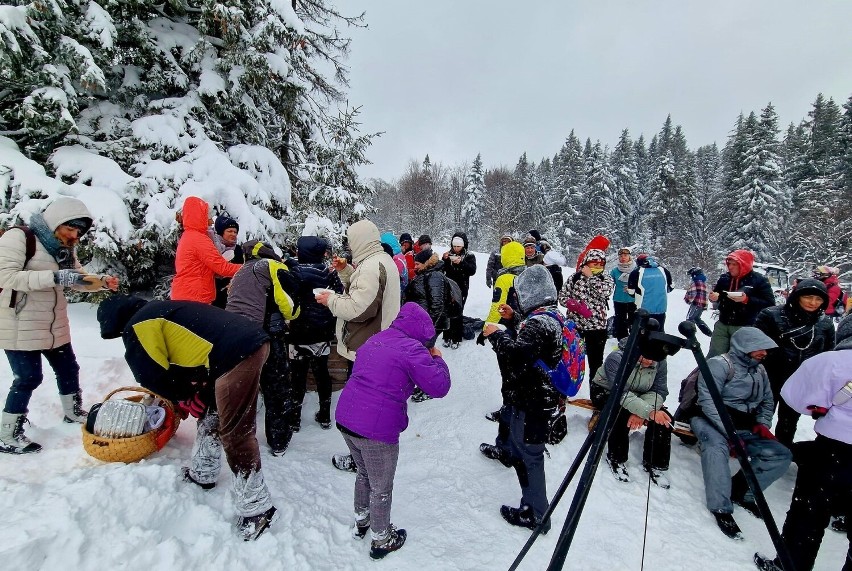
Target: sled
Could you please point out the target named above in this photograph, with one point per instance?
(680, 428)
(599, 242)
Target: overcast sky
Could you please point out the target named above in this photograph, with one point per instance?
(453, 78)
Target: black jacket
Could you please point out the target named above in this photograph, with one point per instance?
(430, 290)
(800, 335)
(175, 347)
(315, 323)
(526, 386)
(461, 272)
(759, 293)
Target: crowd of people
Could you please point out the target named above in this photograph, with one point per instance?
(243, 320)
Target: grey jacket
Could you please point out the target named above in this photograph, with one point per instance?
(748, 394)
(646, 389)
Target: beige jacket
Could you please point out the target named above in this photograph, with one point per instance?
(40, 318)
(371, 300)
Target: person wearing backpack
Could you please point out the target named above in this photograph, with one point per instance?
(820, 387)
(749, 403)
(643, 400)
(431, 290)
(828, 275)
(529, 395)
(459, 266)
(801, 331)
(37, 263)
(266, 291)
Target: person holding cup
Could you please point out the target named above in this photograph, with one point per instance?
(741, 294)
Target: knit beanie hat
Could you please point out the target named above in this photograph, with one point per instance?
(457, 241)
(257, 249)
(223, 223)
(405, 237)
(594, 255)
(535, 234)
(423, 256)
(424, 239)
(530, 239)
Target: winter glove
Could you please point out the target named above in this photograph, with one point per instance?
(732, 450)
(579, 308)
(68, 278)
(763, 431)
(193, 406)
(817, 411)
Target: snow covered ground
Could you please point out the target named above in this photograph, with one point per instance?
(61, 509)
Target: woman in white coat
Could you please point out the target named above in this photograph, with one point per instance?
(36, 263)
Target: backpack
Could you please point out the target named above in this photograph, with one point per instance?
(567, 375)
(453, 298)
(688, 396)
(29, 252)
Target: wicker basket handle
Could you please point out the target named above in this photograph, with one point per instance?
(140, 389)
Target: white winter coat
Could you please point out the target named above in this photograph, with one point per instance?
(40, 319)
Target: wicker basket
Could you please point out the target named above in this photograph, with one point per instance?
(134, 448)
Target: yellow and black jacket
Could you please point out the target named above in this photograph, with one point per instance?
(174, 348)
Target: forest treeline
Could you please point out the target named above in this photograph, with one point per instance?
(785, 195)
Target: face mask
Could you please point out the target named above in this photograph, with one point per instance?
(596, 271)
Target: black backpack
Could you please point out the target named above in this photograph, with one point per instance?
(688, 395)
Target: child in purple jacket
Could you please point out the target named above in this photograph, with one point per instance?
(372, 412)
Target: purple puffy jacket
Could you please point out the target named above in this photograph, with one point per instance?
(387, 368)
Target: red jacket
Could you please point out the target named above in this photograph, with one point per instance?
(832, 284)
(197, 260)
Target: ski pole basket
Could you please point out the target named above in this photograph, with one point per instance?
(133, 448)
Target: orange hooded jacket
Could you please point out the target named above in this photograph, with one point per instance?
(197, 260)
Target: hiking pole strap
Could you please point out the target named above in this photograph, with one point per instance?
(605, 423)
(687, 329)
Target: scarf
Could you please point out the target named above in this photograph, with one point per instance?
(625, 270)
(63, 255)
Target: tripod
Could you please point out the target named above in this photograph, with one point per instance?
(593, 446)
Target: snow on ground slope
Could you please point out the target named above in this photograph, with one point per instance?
(63, 509)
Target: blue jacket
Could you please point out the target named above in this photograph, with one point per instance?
(651, 286)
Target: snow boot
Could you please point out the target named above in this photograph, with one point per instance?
(739, 488)
(658, 477)
(419, 396)
(251, 496)
(494, 416)
(495, 453)
(72, 405)
(838, 524)
(344, 462)
(618, 469)
(765, 563)
(362, 525)
(323, 416)
(187, 477)
(729, 527)
(251, 527)
(455, 345)
(523, 517)
(391, 540)
(12, 437)
(447, 343)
